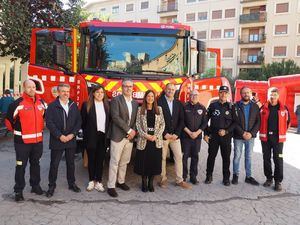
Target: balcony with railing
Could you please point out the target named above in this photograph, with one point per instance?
(165, 7)
(253, 17)
(251, 60)
(252, 39)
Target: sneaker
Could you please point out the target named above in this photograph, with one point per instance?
(251, 180)
(163, 183)
(123, 186)
(99, 187)
(91, 186)
(226, 182)
(268, 183)
(37, 190)
(194, 181)
(184, 185)
(235, 179)
(112, 192)
(208, 179)
(278, 186)
(19, 196)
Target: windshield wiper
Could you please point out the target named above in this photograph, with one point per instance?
(95, 70)
(156, 71)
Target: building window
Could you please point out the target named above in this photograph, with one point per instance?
(228, 33)
(228, 53)
(229, 13)
(190, 17)
(217, 14)
(145, 5)
(227, 71)
(102, 10)
(129, 7)
(129, 21)
(281, 29)
(215, 34)
(201, 34)
(282, 7)
(298, 50)
(190, 1)
(202, 16)
(299, 28)
(144, 20)
(279, 51)
(115, 9)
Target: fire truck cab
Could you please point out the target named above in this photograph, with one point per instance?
(152, 55)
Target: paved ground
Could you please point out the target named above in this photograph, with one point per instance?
(204, 204)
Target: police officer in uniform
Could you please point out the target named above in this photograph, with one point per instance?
(219, 134)
(195, 121)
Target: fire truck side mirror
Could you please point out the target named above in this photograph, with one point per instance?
(201, 57)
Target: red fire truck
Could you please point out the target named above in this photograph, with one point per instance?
(152, 55)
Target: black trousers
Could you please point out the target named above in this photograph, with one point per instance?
(273, 147)
(33, 152)
(191, 149)
(96, 158)
(225, 144)
(56, 155)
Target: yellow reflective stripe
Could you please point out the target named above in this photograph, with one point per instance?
(156, 87)
(166, 82)
(110, 85)
(178, 80)
(19, 163)
(100, 80)
(141, 86)
(88, 77)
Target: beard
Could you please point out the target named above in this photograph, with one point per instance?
(246, 99)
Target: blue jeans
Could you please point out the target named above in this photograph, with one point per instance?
(238, 149)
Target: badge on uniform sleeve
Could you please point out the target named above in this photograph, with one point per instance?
(216, 112)
(200, 111)
(227, 112)
(282, 113)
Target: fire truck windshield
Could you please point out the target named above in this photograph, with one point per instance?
(136, 53)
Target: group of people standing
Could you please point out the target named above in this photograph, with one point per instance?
(157, 125)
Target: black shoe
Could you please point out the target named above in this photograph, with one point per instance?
(278, 186)
(150, 183)
(226, 182)
(208, 179)
(50, 192)
(123, 186)
(19, 196)
(194, 181)
(268, 183)
(37, 190)
(112, 192)
(235, 179)
(251, 180)
(74, 188)
(184, 179)
(144, 184)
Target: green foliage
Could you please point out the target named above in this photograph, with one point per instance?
(18, 17)
(251, 74)
(280, 68)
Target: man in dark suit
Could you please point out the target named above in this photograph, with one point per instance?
(123, 115)
(174, 124)
(63, 121)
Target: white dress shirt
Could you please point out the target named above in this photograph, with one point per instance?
(100, 116)
(170, 104)
(65, 106)
(129, 107)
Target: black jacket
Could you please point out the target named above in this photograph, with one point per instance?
(174, 123)
(59, 123)
(239, 118)
(195, 118)
(89, 124)
(221, 117)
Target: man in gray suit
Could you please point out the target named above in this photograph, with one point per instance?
(123, 114)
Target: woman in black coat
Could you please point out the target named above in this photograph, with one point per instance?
(95, 120)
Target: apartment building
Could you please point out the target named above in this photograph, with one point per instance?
(248, 32)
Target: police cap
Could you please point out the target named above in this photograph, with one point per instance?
(224, 88)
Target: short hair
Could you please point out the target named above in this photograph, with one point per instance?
(244, 87)
(60, 85)
(273, 89)
(127, 80)
(7, 92)
(168, 84)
